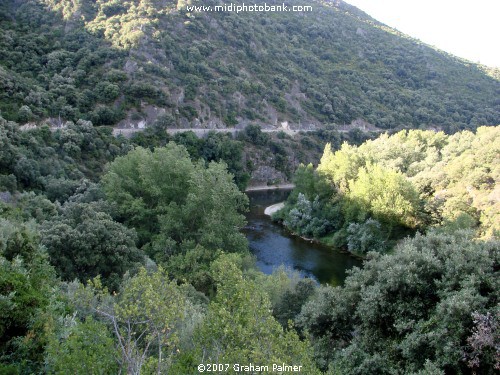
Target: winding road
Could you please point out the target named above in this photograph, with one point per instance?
(200, 133)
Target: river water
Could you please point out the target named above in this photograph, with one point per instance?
(273, 246)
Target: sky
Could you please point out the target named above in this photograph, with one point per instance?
(468, 29)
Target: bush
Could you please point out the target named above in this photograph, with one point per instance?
(365, 237)
(403, 310)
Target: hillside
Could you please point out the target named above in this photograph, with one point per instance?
(133, 255)
(145, 62)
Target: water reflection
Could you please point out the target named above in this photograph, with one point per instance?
(273, 246)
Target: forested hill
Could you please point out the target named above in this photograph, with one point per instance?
(109, 60)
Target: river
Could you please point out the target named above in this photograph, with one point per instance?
(274, 246)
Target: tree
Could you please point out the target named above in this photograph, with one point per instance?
(147, 184)
(254, 135)
(26, 284)
(239, 326)
(84, 242)
(308, 218)
(86, 347)
(221, 147)
(386, 194)
(18, 239)
(365, 237)
(406, 308)
(25, 114)
(144, 318)
(291, 302)
(406, 181)
(340, 167)
(171, 200)
(311, 183)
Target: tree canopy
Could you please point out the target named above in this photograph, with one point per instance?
(410, 310)
(179, 208)
(107, 61)
(84, 242)
(165, 195)
(389, 187)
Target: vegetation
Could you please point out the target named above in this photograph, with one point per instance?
(411, 311)
(98, 235)
(139, 266)
(177, 206)
(108, 60)
(126, 256)
(365, 198)
(86, 228)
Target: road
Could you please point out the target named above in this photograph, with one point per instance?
(200, 133)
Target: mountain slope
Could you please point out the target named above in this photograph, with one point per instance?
(150, 60)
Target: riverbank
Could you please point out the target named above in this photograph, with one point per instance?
(269, 187)
(270, 210)
(274, 246)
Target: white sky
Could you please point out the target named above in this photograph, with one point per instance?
(468, 29)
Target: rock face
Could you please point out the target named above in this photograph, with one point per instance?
(264, 174)
(135, 120)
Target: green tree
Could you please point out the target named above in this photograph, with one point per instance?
(26, 284)
(221, 147)
(144, 318)
(291, 302)
(386, 194)
(340, 167)
(366, 237)
(254, 135)
(406, 308)
(307, 218)
(171, 200)
(25, 114)
(239, 326)
(85, 348)
(84, 242)
(147, 184)
(18, 239)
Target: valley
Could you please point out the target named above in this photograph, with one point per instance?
(182, 187)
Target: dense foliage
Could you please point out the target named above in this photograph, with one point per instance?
(177, 206)
(366, 197)
(54, 162)
(84, 242)
(81, 218)
(126, 256)
(57, 161)
(107, 60)
(411, 310)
